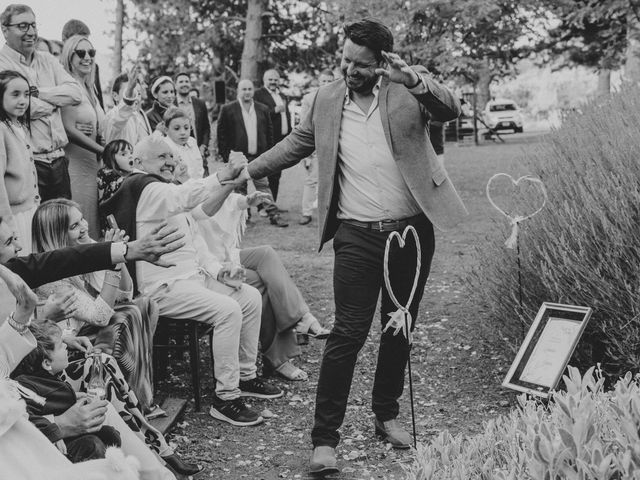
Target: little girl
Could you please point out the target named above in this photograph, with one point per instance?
(19, 196)
(118, 163)
(184, 146)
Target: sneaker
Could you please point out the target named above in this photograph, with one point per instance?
(257, 387)
(234, 412)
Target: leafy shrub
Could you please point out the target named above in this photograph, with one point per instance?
(584, 433)
(584, 248)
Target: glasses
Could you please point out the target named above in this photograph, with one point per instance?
(23, 26)
(83, 53)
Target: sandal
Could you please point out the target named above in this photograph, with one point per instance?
(290, 372)
(309, 325)
(154, 411)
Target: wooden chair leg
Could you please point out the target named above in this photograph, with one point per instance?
(194, 353)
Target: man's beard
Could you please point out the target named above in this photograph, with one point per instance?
(365, 87)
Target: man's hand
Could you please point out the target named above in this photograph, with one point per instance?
(150, 248)
(237, 162)
(132, 75)
(82, 344)
(60, 445)
(85, 416)
(279, 108)
(398, 71)
(26, 300)
(59, 306)
(232, 275)
(85, 127)
(256, 198)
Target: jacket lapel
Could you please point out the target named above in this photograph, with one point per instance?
(383, 96)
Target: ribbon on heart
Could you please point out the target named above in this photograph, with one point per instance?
(401, 320)
(512, 241)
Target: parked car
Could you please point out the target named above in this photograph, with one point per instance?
(503, 114)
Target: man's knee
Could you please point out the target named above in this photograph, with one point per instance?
(253, 296)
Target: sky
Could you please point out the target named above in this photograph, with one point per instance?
(99, 15)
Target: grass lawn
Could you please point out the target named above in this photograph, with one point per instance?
(457, 363)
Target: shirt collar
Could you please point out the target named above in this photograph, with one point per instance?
(251, 108)
(16, 55)
(186, 101)
(376, 91)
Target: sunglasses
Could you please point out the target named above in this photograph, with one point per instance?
(83, 53)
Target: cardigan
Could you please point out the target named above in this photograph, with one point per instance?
(19, 191)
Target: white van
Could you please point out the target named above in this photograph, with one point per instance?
(503, 114)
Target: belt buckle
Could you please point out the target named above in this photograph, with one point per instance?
(380, 226)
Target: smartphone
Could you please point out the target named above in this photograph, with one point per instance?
(111, 220)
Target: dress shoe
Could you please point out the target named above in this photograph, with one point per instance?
(391, 431)
(305, 219)
(323, 461)
(276, 221)
(180, 466)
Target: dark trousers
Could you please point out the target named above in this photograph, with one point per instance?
(274, 184)
(53, 179)
(91, 446)
(358, 278)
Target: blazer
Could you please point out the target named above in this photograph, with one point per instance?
(263, 96)
(232, 134)
(201, 119)
(405, 118)
(40, 268)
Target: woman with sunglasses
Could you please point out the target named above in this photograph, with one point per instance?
(83, 125)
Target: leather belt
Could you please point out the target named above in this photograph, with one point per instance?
(382, 225)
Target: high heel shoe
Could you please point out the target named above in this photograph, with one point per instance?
(180, 466)
(309, 325)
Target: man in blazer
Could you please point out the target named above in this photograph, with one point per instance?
(198, 114)
(244, 125)
(271, 96)
(378, 173)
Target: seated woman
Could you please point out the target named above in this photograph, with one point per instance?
(124, 330)
(24, 452)
(284, 311)
(14, 346)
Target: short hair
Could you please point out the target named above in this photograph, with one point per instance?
(5, 77)
(110, 151)
(172, 113)
(50, 225)
(194, 89)
(148, 144)
(181, 74)
(270, 70)
(118, 81)
(74, 27)
(370, 33)
(13, 9)
(46, 334)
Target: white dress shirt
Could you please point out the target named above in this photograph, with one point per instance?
(251, 126)
(371, 185)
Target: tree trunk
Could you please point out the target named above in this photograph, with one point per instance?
(251, 51)
(117, 48)
(484, 82)
(604, 83)
(632, 63)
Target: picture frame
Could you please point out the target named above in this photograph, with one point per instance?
(547, 349)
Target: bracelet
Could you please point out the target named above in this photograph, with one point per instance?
(18, 327)
(417, 83)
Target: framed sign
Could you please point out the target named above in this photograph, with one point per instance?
(547, 348)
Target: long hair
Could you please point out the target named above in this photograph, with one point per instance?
(5, 77)
(50, 228)
(46, 334)
(68, 51)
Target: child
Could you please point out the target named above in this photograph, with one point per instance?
(185, 147)
(19, 195)
(41, 373)
(118, 163)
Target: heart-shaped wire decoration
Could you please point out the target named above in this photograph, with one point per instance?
(401, 320)
(514, 220)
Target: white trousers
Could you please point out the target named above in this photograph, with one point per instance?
(235, 316)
